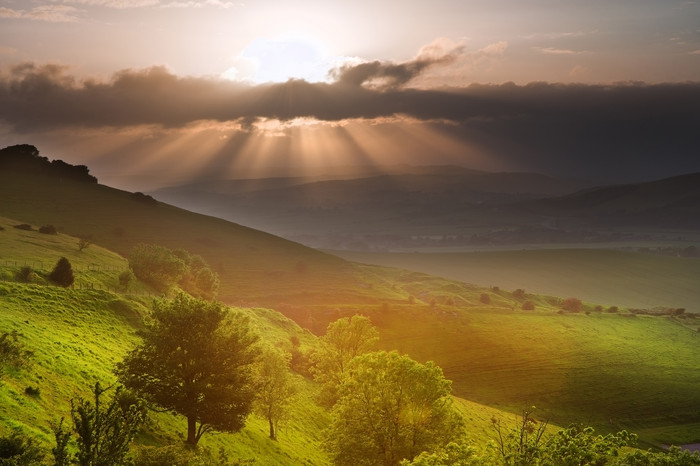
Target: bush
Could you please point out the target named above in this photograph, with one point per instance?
(125, 278)
(17, 449)
(528, 306)
(572, 305)
(62, 273)
(31, 391)
(26, 274)
(48, 230)
(24, 226)
(519, 293)
(613, 309)
(485, 298)
(12, 351)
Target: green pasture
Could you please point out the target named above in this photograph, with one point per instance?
(602, 276)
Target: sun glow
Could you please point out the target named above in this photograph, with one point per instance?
(281, 59)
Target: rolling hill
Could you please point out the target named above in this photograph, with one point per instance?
(612, 370)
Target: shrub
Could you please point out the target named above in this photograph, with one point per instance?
(31, 391)
(485, 298)
(12, 351)
(62, 273)
(48, 230)
(572, 305)
(598, 308)
(613, 309)
(24, 226)
(17, 449)
(26, 274)
(125, 278)
(528, 306)
(144, 198)
(519, 293)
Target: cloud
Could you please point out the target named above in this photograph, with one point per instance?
(48, 13)
(555, 51)
(201, 4)
(571, 129)
(118, 4)
(387, 75)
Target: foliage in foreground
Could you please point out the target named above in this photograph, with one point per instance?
(103, 432)
(390, 408)
(196, 359)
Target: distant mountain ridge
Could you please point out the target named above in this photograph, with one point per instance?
(471, 207)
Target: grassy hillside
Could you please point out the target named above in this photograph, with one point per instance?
(607, 277)
(78, 335)
(612, 371)
(255, 267)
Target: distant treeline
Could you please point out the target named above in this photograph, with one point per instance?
(25, 157)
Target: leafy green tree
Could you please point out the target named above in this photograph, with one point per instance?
(274, 387)
(62, 273)
(675, 456)
(453, 454)
(578, 445)
(156, 265)
(196, 359)
(103, 432)
(345, 339)
(390, 408)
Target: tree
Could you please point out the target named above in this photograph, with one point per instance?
(156, 265)
(84, 242)
(104, 431)
(572, 305)
(12, 351)
(196, 359)
(391, 408)
(577, 445)
(274, 388)
(125, 278)
(62, 273)
(521, 445)
(345, 339)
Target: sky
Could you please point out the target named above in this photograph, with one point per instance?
(150, 93)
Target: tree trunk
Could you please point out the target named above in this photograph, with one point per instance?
(192, 430)
(273, 436)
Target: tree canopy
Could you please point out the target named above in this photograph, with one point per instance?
(390, 408)
(196, 359)
(345, 339)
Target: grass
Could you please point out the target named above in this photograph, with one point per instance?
(603, 276)
(255, 267)
(639, 373)
(77, 336)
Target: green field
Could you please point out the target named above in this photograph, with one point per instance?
(603, 276)
(611, 370)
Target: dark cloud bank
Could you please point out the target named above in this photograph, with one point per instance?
(635, 130)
